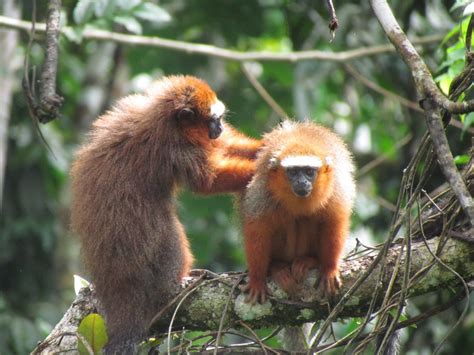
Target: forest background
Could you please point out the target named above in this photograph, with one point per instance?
(369, 99)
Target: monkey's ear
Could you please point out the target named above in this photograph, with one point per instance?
(273, 163)
(328, 164)
(186, 114)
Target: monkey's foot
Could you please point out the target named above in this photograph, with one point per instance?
(301, 267)
(330, 284)
(257, 292)
(281, 274)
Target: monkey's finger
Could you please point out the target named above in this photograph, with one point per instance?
(244, 288)
(250, 298)
(267, 291)
(317, 283)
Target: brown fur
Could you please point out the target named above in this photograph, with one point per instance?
(124, 183)
(286, 235)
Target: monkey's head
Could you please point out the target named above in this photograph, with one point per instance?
(194, 107)
(300, 178)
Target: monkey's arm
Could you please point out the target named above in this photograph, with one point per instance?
(235, 143)
(258, 249)
(331, 239)
(231, 174)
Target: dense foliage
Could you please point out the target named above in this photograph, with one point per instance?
(37, 254)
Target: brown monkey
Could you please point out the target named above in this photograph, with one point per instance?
(124, 184)
(297, 207)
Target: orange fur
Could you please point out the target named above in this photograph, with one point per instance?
(124, 184)
(287, 235)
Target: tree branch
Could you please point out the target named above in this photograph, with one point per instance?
(50, 101)
(264, 93)
(431, 100)
(205, 302)
(213, 51)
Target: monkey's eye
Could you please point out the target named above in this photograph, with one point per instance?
(292, 173)
(186, 114)
(310, 172)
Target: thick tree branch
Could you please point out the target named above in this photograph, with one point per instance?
(213, 51)
(209, 296)
(431, 99)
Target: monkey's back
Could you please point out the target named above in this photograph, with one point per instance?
(123, 212)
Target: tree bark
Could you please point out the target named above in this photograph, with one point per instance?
(207, 298)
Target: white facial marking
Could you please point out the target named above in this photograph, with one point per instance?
(217, 109)
(301, 160)
(328, 161)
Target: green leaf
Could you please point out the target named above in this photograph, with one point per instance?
(151, 12)
(461, 159)
(469, 9)
(83, 11)
(130, 23)
(92, 328)
(468, 121)
(74, 34)
(104, 8)
(460, 3)
(403, 317)
(128, 4)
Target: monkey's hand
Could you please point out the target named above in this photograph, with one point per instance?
(301, 267)
(257, 292)
(330, 283)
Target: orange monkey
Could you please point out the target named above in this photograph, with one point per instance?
(296, 209)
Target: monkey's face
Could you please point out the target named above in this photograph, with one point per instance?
(301, 172)
(301, 179)
(210, 119)
(214, 123)
(199, 110)
(302, 183)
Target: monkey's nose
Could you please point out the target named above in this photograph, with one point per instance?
(215, 127)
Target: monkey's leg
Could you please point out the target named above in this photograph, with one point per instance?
(331, 239)
(258, 253)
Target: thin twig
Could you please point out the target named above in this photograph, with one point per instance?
(454, 272)
(432, 100)
(257, 338)
(174, 300)
(264, 93)
(333, 21)
(224, 312)
(377, 88)
(213, 51)
(382, 158)
(27, 87)
(176, 311)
